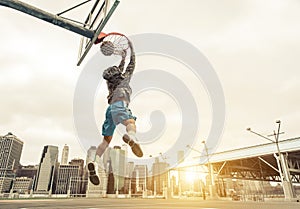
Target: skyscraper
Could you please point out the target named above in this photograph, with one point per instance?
(129, 169)
(69, 179)
(65, 155)
(160, 176)
(140, 175)
(118, 159)
(45, 175)
(10, 153)
(125, 148)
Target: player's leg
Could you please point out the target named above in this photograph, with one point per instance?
(122, 114)
(92, 166)
(102, 147)
(130, 137)
(108, 129)
(130, 127)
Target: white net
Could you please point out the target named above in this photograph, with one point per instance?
(114, 44)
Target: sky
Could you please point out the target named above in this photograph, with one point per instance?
(253, 46)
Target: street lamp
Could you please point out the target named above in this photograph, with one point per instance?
(210, 172)
(281, 162)
(209, 166)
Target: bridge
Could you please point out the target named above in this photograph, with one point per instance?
(264, 162)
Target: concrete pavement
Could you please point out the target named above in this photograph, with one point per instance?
(106, 203)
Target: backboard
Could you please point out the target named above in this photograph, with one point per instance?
(96, 20)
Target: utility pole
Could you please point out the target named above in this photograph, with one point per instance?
(284, 173)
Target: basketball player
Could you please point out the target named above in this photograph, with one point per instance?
(117, 111)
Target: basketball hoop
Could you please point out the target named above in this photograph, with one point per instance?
(112, 43)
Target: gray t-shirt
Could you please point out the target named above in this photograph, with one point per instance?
(118, 87)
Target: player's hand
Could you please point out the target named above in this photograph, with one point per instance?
(124, 53)
(130, 45)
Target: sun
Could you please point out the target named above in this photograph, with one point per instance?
(190, 176)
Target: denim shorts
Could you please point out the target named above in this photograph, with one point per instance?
(115, 114)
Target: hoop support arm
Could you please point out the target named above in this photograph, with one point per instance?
(48, 17)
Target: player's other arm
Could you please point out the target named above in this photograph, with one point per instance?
(122, 63)
(131, 65)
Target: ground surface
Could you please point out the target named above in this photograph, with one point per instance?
(86, 203)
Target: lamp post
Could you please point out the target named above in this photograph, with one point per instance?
(210, 173)
(212, 192)
(288, 190)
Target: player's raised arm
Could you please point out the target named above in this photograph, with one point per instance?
(122, 63)
(131, 65)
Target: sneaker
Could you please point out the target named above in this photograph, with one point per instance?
(135, 147)
(93, 173)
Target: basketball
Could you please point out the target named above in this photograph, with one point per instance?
(107, 48)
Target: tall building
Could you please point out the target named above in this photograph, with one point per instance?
(45, 180)
(140, 176)
(125, 148)
(118, 163)
(65, 155)
(110, 180)
(129, 169)
(128, 177)
(10, 154)
(160, 176)
(69, 179)
(80, 163)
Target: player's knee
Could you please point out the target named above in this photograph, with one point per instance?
(107, 139)
(128, 122)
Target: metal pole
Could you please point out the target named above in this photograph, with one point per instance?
(286, 180)
(282, 167)
(210, 186)
(48, 17)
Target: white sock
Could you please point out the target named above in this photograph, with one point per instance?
(131, 134)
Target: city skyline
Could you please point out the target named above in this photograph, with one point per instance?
(252, 45)
(59, 154)
(120, 177)
(51, 176)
